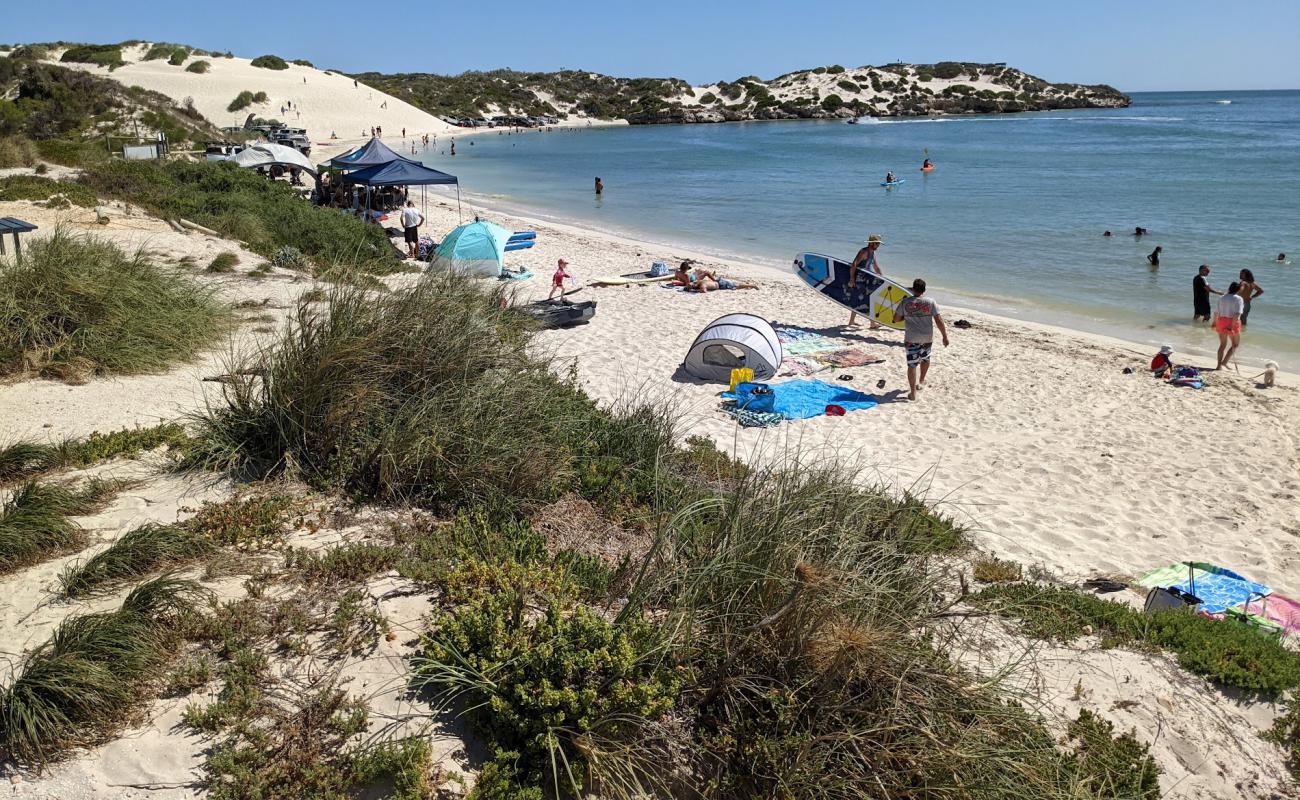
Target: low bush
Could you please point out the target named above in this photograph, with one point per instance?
(178, 57)
(223, 262)
(25, 459)
(82, 684)
(270, 62)
(35, 522)
(302, 62)
(104, 55)
(199, 67)
(708, 99)
(990, 569)
(265, 215)
(17, 151)
(245, 523)
(849, 86)
(38, 189)
(78, 306)
(242, 101)
(260, 97)
(1120, 765)
(832, 102)
(1224, 651)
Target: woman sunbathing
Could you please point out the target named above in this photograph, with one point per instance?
(703, 280)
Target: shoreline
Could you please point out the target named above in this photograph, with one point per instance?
(1036, 317)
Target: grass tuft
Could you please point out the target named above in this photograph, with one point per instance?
(990, 569)
(85, 682)
(22, 460)
(78, 306)
(223, 262)
(35, 521)
(140, 552)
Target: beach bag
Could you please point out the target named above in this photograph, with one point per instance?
(755, 397)
(659, 269)
(1160, 599)
(1187, 376)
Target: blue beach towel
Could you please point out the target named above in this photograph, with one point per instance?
(1218, 587)
(803, 399)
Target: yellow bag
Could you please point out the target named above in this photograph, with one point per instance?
(741, 375)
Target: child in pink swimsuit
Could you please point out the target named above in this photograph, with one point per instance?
(557, 280)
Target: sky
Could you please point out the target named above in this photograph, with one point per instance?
(1149, 45)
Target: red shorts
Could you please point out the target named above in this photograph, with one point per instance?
(1227, 325)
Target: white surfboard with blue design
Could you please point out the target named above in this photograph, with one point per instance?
(874, 296)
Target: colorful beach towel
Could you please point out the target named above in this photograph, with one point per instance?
(804, 399)
(1277, 609)
(1219, 588)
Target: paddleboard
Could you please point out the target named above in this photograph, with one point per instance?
(626, 281)
(874, 296)
(895, 183)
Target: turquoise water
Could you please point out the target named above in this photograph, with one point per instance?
(1010, 221)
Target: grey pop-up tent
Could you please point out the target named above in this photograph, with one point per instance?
(732, 342)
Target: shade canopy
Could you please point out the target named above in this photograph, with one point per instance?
(372, 153)
(477, 247)
(265, 154)
(734, 341)
(399, 173)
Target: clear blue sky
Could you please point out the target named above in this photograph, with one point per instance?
(1134, 45)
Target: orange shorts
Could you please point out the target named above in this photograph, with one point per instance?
(1227, 325)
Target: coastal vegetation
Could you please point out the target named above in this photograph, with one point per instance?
(894, 90)
(74, 117)
(245, 99)
(198, 67)
(102, 55)
(22, 460)
(265, 215)
(270, 62)
(761, 632)
(36, 524)
(77, 306)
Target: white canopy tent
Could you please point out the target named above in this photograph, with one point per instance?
(265, 154)
(732, 342)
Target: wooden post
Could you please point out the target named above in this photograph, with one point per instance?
(18, 249)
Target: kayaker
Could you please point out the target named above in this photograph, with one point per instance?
(926, 164)
(889, 177)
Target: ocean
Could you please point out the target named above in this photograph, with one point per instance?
(1010, 221)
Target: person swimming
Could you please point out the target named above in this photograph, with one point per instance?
(926, 164)
(1281, 256)
(1139, 231)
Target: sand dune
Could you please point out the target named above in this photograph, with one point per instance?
(323, 103)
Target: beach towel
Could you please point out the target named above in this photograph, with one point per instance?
(1187, 376)
(849, 357)
(804, 399)
(1219, 588)
(1277, 609)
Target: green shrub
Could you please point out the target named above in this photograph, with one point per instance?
(78, 306)
(36, 188)
(87, 680)
(223, 262)
(72, 153)
(990, 569)
(834, 69)
(30, 52)
(178, 57)
(832, 102)
(541, 685)
(242, 100)
(1225, 651)
(104, 55)
(708, 99)
(849, 86)
(17, 151)
(302, 62)
(265, 215)
(947, 70)
(270, 62)
(199, 67)
(248, 523)
(1119, 766)
(260, 97)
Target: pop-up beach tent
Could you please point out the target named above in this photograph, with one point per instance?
(265, 154)
(732, 342)
(478, 248)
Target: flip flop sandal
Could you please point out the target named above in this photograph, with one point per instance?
(845, 377)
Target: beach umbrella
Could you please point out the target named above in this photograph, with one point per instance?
(477, 247)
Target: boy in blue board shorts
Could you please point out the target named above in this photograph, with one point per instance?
(919, 315)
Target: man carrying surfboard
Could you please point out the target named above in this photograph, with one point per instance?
(865, 259)
(919, 314)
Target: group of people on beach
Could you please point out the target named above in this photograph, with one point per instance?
(1230, 314)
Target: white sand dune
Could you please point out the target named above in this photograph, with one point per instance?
(323, 103)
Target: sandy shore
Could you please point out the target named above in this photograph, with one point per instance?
(1032, 436)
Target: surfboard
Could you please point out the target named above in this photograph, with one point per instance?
(874, 296)
(623, 280)
(895, 183)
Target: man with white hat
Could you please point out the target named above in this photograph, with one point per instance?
(865, 259)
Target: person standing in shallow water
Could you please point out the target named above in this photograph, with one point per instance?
(1154, 258)
(1249, 291)
(600, 187)
(1201, 291)
(1227, 323)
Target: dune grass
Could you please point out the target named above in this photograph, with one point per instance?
(78, 306)
(138, 553)
(223, 262)
(59, 194)
(35, 521)
(84, 683)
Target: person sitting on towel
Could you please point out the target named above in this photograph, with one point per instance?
(1161, 365)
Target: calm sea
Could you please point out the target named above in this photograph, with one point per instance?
(1011, 220)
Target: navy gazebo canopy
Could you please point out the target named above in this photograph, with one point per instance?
(372, 153)
(400, 173)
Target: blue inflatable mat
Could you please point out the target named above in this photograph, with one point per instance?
(803, 399)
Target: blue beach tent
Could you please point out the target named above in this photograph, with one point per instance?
(400, 173)
(370, 154)
(478, 248)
